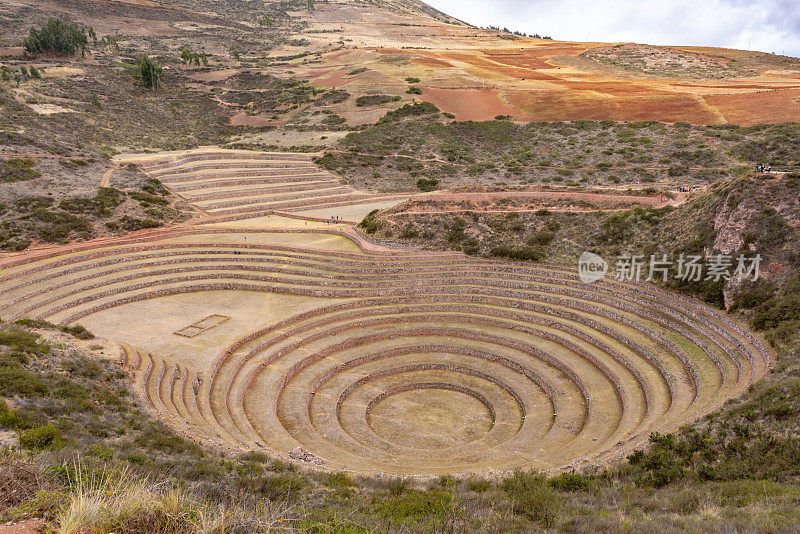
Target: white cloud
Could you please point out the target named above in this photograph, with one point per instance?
(767, 25)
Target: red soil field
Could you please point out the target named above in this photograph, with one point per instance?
(517, 59)
(532, 58)
(335, 79)
(614, 88)
(564, 105)
(468, 104)
(494, 66)
(756, 108)
(477, 76)
(431, 62)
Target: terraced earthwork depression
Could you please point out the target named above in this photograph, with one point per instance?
(232, 183)
(306, 341)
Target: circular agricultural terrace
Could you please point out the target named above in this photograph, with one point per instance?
(305, 341)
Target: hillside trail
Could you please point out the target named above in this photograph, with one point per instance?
(107, 176)
(30, 526)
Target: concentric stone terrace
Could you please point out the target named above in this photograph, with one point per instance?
(228, 182)
(372, 360)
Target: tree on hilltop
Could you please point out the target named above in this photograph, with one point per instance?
(56, 37)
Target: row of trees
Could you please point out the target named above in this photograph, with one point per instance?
(23, 75)
(521, 34)
(190, 56)
(61, 38)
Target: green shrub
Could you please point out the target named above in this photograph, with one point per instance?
(31, 203)
(370, 223)
(278, 466)
(255, 457)
(333, 120)
(82, 367)
(779, 311)
(478, 485)
(532, 497)
(338, 480)
(661, 464)
(14, 358)
(751, 294)
(282, 487)
(131, 224)
(68, 390)
(616, 227)
(409, 110)
(11, 418)
(414, 505)
(540, 238)
(676, 170)
(42, 437)
(570, 482)
(517, 226)
(148, 198)
(375, 100)
(101, 205)
(60, 227)
(397, 486)
(18, 339)
(525, 253)
(768, 227)
(427, 184)
(156, 437)
(409, 232)
(446, 481)
(78, 331)
(457, 228)
(470, 246)
(18, 170)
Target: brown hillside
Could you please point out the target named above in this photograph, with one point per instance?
(374, 47)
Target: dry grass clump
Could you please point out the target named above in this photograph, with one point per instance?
(114, 501)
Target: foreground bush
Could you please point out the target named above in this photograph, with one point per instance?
(533, 497)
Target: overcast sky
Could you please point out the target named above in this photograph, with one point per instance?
(766, 25)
